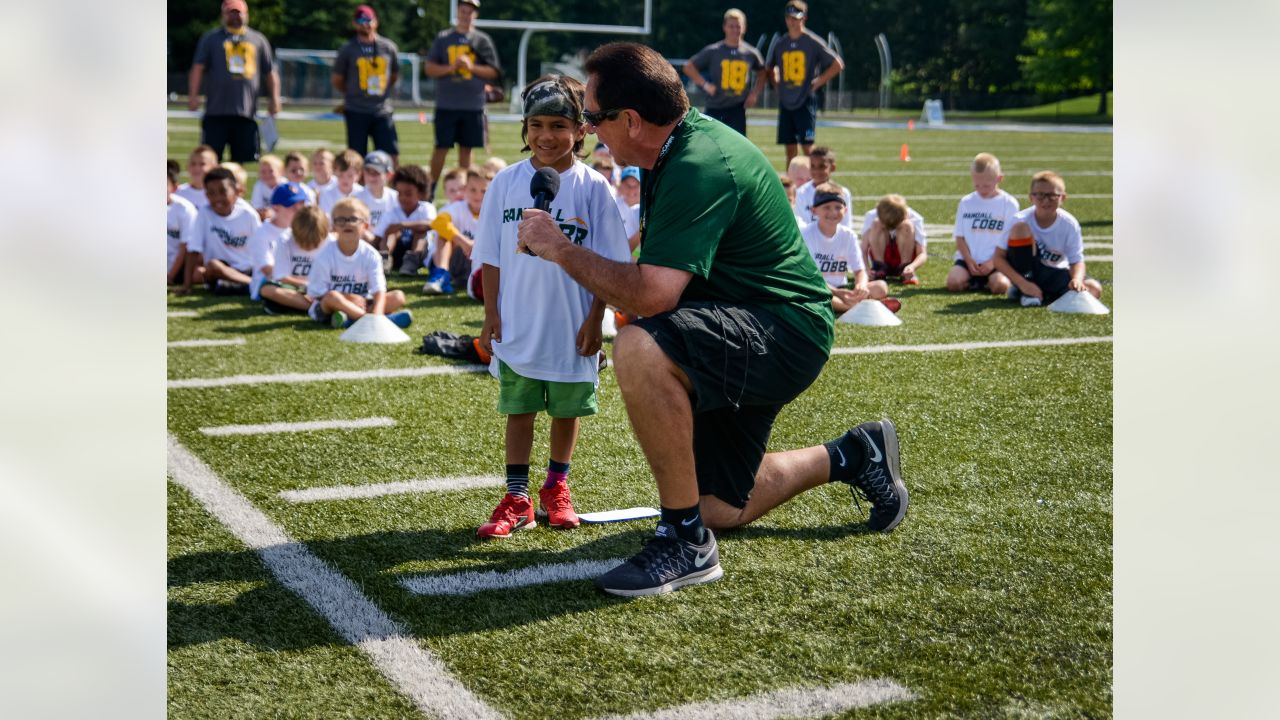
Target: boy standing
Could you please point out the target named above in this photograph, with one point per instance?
(346, 279)
(729, 66)
(822, 163)
(286, 200)
(218, 253)
(1043, 254)
(893, 246)
(348, 166)
(799, 64)
(982, 218)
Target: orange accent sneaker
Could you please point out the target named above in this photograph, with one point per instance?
(893, 304)
(556, 507)
(513, 513)
(913, 280)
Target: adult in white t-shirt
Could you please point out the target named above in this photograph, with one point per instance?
(981, 222)
(180, 222)
(540, 306)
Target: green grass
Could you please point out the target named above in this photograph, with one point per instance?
(993, 599)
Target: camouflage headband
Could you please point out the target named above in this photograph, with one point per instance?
(550, 98)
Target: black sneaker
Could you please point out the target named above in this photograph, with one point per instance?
(666, 563)
(880, 478)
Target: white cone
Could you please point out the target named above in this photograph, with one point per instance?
(1079, 302)
(872, 313)
(609, 326)
(374, 329)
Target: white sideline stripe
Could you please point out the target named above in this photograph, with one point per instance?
(283, 427)
(1099, 258)
(325, 376)
(1099, 237)
(467, 583)
(949, 240)
(182, 313)
(411, 668)
(945, 173)
(952, 197)
(786, 703)
(1099, 246)
(219, 342)
(943, 347)
(354, 492)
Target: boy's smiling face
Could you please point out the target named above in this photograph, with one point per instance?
(820, 169)
(222, 196)
(408, 196)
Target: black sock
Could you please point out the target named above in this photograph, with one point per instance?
(686, 521)
(847, 455)
(518, 480)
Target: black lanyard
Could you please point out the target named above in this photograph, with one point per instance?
(646, 197)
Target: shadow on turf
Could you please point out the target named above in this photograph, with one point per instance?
(972, 307)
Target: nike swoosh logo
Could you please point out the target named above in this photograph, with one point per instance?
(688, 522)
(841, 454)
(701, 559)
(875, 453)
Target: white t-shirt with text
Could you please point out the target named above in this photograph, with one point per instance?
(837, 257)
(378, 207)
(359, 273)
(226, 238)
(262, 253)
(333, 194)
(291, 260)
(1060, 245)
(983, 222)
(180, 223)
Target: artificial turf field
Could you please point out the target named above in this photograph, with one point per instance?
(992, 599)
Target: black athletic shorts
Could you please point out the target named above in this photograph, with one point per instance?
(241, 133)
(1052, 281)
(381, 128)
(976, 282)
(459, 127)
(799, 126)
(735, 116)
(744, 365)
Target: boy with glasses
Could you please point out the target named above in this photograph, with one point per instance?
(1043, 253)
(346, 279)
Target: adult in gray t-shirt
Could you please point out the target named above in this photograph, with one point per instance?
(366, 72)
(462, 60)
(799, 64)
(724, 72)
(233, 62)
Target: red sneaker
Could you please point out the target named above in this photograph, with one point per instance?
(513, 513)
(556, 507)
(913, 280)
(894, 304)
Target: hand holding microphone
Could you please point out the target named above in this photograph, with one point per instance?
(543, 187)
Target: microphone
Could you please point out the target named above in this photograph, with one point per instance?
(543, 187)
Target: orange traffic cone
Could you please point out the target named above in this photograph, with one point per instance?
(422, 118)
(904, 154)
(911, 124)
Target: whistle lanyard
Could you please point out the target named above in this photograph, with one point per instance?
(646, 197)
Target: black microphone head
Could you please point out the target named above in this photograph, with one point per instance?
(546, 181)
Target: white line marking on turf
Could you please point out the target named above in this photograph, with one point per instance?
(410, 667)
(283, 427)
(383, 373)
(944, 347)
(217, 342)
(353, 492)
(786, 703)
(467, 583)
(945, 173)
(182, 313)
(1099, 258)
(1076, 196)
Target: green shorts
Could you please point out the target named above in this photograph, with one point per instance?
(518, 395)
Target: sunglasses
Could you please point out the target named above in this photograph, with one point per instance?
(599, 116)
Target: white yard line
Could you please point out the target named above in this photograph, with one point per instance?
(945, 347)
(467, 583)
(284, 427)
(216, 342)
(355, 492)
(411, 668)
(288, 378)
(953, 198)
(182, 313)
(947, 173)
(1098, 258)
(787, 703)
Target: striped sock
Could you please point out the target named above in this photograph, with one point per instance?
(518, 480)
(557, 472)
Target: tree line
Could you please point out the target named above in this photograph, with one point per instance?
(939, 47)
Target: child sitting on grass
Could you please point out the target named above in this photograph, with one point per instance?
(322, 161)
(1043, 254)
(348, 166)
(286, 200)
(295, 170)
(218, 252)
(180, 223)
(202, 160)
(346, 279)
(982, 219)
(456, 228)
(406, 228)
(835, 249)
(295, 255)
(270, 175)
(894, 241)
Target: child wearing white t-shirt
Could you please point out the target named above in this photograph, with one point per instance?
(286, 200)
(405, 229)
(375, 194)
(346, 280)
(180, 222)
(822, 164)
(270, 175)
(201, 161)
(348, 167)
(982, 221)
(1043, 253)
(542, 328)
(295, 255)
(218, 252)
(322, 177)
(457, 227)
(894, 241)
(836, 251)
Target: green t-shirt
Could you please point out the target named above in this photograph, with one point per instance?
(713, 206)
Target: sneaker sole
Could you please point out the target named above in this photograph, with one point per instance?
(890, 434)
(514, 530)
(711, 574)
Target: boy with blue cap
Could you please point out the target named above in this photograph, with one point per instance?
(286, 200)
